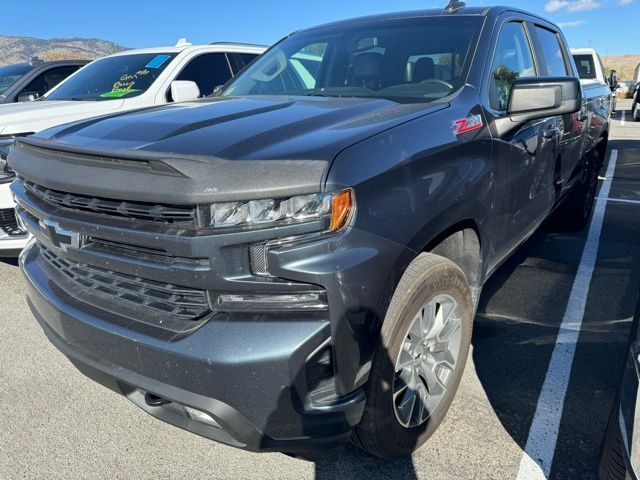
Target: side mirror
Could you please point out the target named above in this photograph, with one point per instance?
(184, 91)
(534, 98)
(28, 96)
(613, 80)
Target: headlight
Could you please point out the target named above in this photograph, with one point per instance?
(334, 207)
(6, 143)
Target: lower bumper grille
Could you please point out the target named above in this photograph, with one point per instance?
(163, 298)
(9, 224)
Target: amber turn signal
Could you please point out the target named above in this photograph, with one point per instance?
(341, 208)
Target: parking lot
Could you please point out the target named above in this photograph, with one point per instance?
(55, 424)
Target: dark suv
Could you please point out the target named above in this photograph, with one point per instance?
(296, 262)
(22, 82)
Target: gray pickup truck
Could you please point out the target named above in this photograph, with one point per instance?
(296, 261)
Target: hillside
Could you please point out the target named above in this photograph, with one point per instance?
(21, 49)
(623, 64)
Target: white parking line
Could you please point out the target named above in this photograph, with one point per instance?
(543, 435)
(622, 120)
(621, 200)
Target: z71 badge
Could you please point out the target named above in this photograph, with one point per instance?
(472, 122)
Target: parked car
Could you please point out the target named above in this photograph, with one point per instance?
(592, 74)
(23, 82)
(635, 109)
(620, 458)
(121, 82)
(297, 261)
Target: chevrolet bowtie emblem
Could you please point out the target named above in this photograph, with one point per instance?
(59, 237)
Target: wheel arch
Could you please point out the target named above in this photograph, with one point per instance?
(461, 243)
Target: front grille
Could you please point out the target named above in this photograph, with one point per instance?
(182, 215)
(164, 298)
(9, 224)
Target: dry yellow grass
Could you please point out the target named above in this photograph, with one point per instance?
(623, 64)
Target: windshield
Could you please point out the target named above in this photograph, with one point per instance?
(11, 74)
(122, 76)
(406, 60)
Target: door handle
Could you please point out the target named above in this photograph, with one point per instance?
(583, 117)
(551, 132)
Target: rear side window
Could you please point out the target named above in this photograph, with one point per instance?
(513, 59)
(208, 71)
(240, 60)
(552, 53)
(47, 80)
(586, 68)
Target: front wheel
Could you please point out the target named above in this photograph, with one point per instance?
(422, 352)
(636, 112)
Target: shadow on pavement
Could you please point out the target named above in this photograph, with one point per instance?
(518, 319)
(9, 261)
(351, 463)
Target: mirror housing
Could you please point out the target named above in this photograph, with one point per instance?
(612, 80)
(184, 91)
(534, 98)
(28, 97)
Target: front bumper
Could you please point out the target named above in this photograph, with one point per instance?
(245, 372)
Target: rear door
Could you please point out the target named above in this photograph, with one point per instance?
(554, 62)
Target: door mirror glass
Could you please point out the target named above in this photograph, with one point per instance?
(533, 98)
(184, 91)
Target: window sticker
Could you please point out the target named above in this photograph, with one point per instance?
(157, 61)
(125, 84)
(119, 93)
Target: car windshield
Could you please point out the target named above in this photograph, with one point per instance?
(405, 60)
(121, 76)
(11, 74)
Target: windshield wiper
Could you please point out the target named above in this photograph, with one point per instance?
(315, 93)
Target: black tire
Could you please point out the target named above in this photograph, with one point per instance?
(635, 112)
(379, 432)
(575, 211)
(612, 463)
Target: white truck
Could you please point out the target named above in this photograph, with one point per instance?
(127, 80)
(592, 72)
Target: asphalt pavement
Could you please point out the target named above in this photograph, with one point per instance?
(56, 424)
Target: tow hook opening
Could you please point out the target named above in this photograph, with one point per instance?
(154, 400)
(169, 407)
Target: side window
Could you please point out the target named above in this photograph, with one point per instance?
(513, 59)
(208, 71)
(586, 68)
(47, 80)
(552, 53)
(240, 60)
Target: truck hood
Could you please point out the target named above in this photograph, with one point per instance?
(221, 149)
(257, 128)
(29, 117)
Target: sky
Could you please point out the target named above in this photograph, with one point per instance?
(611, 26)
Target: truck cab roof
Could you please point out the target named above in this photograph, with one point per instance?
(432, 12)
